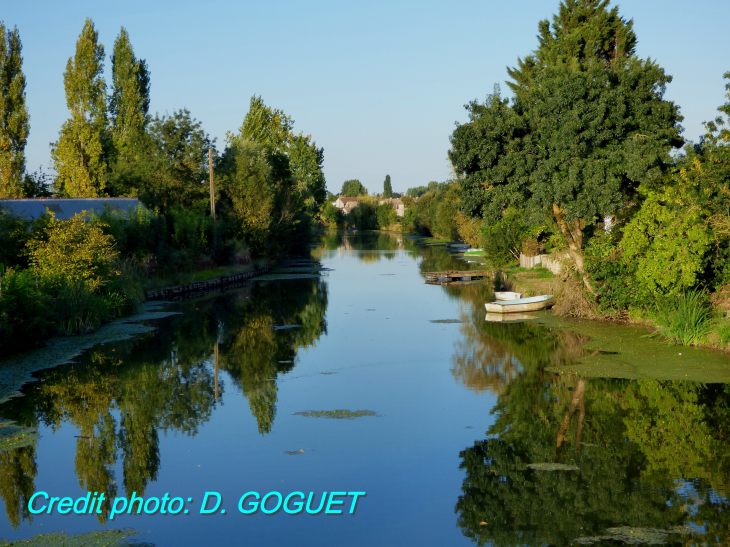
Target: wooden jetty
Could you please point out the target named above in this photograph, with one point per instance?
(453, 276)
(193, 290)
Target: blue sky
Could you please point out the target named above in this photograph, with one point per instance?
(378, 84)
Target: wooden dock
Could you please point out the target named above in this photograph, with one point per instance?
(453, 276)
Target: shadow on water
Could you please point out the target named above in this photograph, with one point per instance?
(122, 397)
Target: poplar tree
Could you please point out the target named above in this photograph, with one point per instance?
(79, 154)
(14, 119)
(387, 188)
(129, 112)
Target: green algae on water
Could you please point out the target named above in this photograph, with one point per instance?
(622, 351)
(638, 536)
(107, 538)
(339, 414)
(17, 370)
(14, 436)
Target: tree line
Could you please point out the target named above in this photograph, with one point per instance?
(72, 275)
(585, 156)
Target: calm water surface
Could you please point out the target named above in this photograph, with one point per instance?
(464, 407)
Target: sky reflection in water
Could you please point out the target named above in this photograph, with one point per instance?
(462, 409)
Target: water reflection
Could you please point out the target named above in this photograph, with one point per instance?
(651, 455)
(122, 397)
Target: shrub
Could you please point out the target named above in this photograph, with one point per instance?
(73, 249)
(332, 215)
(503, 240)
(614, 275)
(25, 311)
(190, 230)
(386, 215)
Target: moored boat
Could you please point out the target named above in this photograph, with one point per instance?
(508, 295)
(521, 305)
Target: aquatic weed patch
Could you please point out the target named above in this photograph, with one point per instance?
(339, 414)
(107, 538)
(14, 436)
(445, 321)
(638, 536)
(18, 370)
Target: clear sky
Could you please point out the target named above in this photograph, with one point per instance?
(378, 84)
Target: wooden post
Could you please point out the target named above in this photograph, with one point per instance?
(212, 185)
(215, 357)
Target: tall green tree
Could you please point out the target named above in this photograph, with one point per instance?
(14, 119)
(587, 127)
(268, 126)
(353, 188)
(80, 152)
(176, 162)
(306, 162)
(387, 188)
(129, 111)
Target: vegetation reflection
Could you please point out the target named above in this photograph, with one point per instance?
(650, 455)
(123, 396)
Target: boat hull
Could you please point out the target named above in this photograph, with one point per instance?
(507, 295)
(515, 306)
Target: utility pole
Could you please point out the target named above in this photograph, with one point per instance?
(212, 185)
(216, 370)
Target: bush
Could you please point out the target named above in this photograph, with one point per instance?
(73, 249)
(386, 215)
(503, 240)
(25, 311)
(614, 276)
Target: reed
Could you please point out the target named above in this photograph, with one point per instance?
(685, 319)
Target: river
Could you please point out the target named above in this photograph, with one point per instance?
(458, 431)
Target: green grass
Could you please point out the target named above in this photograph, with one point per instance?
(531, 273)
(685, 319)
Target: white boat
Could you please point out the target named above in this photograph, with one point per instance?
(520, 305)
(507, 295)
(457, 245)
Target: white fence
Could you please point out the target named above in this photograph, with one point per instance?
(552, 262)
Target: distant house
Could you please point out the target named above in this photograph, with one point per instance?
(345, 204)
(400, 208)
(66, 208)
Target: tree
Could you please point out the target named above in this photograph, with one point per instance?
(353, 188)
(387, 188)
(176, 162)
(268, 126)
(306, 162)
(246, 185)
(386, 215)
(80, 152)
(588, 126)
(14, 119)
(129, 111)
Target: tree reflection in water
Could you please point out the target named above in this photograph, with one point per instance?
(651, 454)
(122, 396)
